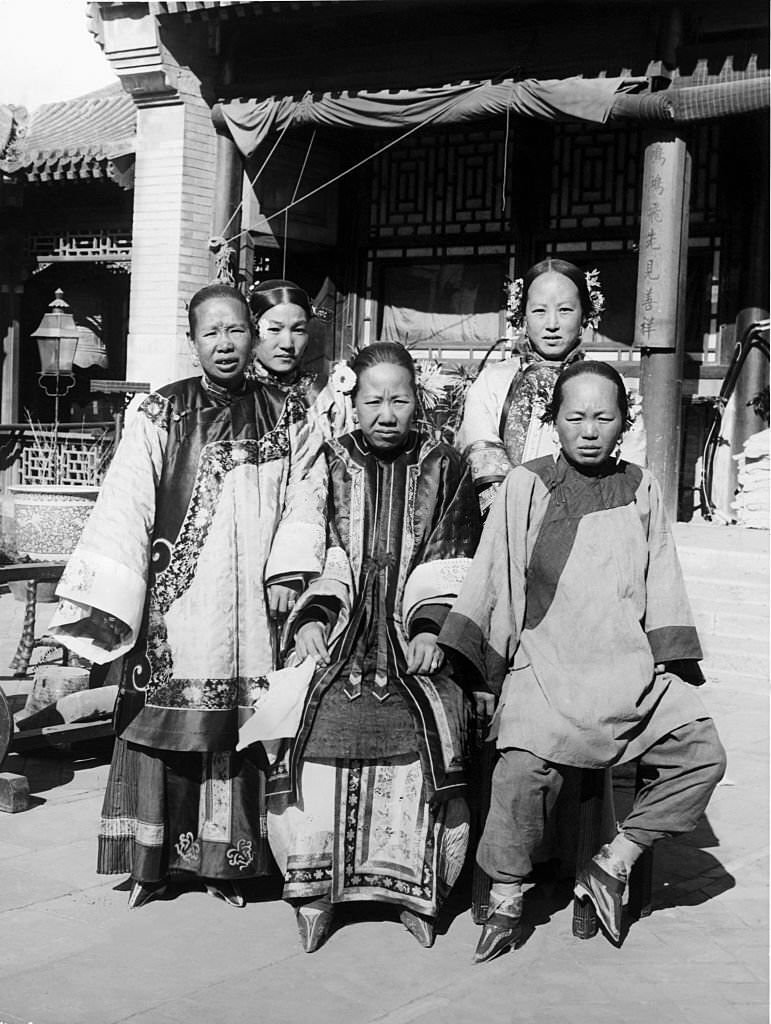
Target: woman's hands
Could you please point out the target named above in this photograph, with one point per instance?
(282, 598)
(311, 640)
(484, 704)
(424, 655)
(107, 630)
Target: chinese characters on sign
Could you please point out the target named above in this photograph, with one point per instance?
(662, 244)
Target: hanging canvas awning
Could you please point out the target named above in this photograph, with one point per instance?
(593, 100)
(581, 99)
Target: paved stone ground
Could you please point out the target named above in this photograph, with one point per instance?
(71, 953)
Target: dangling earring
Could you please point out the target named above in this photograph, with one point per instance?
(617, 451)
(195, 360)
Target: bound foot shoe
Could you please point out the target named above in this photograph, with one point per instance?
(141, 894)
(314, 922)
(501, 931)
(603, 881)
(420, 926)
(226, 890)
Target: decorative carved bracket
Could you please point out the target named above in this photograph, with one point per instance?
(129, 36)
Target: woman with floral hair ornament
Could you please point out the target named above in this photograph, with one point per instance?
(370, 802)
(502, 421)
(281, 314)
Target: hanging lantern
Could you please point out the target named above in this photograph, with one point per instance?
(57, 337)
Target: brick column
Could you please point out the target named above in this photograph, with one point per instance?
(173, 191)
(173, 198)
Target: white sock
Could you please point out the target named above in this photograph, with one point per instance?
(503, 894)
(626, 850)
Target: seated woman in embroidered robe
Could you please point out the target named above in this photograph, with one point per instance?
(281, 314)
(213, 495)
(370, 804)
(589, 640)
(503, 422)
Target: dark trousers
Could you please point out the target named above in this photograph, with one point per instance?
(686, 765)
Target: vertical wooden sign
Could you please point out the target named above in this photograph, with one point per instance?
(663, 244)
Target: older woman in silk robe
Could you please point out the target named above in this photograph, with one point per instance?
(211, 506)
(370, 804)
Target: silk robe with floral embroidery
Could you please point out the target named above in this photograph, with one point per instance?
(401, 532)
(207, 499)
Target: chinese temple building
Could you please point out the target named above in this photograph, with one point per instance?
(401, 160)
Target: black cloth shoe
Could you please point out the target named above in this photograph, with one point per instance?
(226, 890)
(314, 923)
(501, 931)
(420, 926)
(603, 882)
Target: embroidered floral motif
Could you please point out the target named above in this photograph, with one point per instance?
(356, 799)
(157, 409)
(217, 460)
(78, 575)
(241, 855)
(251, 689)
(532, 393)
(188, 848)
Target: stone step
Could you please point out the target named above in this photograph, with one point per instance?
(736, 661)
(737, 681)
(733, 627)
(744, 569)
(751, 597)
(753, 641)
(732, 539)
(736, 623)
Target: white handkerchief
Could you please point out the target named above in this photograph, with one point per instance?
(277, 713)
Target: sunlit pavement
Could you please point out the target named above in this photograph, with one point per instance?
(72, 953)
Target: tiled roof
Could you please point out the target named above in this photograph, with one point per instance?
(78, 138)
(186, 8)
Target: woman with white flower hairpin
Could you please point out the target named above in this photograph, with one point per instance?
(370, 802)
(502, 421)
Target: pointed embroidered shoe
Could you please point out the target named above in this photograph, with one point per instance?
(314, 923)
(499, 933)
(420, 926)
(226, 890)
(141, 894)
(603, 881)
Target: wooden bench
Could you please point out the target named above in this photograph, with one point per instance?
(53, 735)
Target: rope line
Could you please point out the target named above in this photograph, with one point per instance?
(342, 174)
(372, 156)
(253, 182)
(294, 196)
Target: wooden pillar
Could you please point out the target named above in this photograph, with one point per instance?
(659, 323)
(228, 187)
(10, 298)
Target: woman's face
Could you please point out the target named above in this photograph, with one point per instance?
(385, 404)
(553, 315)
(223, 340)
(589, 421)
(282, 335)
